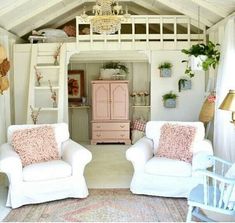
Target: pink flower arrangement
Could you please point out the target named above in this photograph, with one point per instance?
(141, 93)
(211, 98)
(146, 93)
(133, 94)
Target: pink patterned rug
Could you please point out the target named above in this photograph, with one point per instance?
(104, 205)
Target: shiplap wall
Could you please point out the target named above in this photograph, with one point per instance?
(185, 110)
(189, 102)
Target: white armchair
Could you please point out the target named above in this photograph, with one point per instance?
(162, 176)
(45, 181)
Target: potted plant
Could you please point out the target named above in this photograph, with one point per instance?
(169, 100)
(165, 69)
(184, 84)
(111, 69)
(201, 57)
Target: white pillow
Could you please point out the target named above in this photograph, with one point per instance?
(49, 33)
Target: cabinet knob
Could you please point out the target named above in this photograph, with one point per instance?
(122, 126)
(98, 135)
(122, 135)
(98, 126)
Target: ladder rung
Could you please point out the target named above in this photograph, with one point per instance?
(46, 88)
(47, 109)
(47, 66)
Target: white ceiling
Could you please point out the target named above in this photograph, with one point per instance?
(22, 16)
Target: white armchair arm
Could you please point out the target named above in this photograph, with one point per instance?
(10, 163)
(76, 155)
(203, 146)
(202, 151)
(140, 153)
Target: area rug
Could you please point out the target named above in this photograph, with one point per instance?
(104, 205)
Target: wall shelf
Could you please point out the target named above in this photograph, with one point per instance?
(80, 107)
(141, 106)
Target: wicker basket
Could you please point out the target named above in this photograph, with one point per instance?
(207, 112)
(4, 84)
(2, 54)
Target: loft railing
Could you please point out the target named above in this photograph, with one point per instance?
(148, 29)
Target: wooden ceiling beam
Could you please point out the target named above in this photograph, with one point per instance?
(70, 17)
(51, 17)
(12, 6)
(149, 6)
(32, 13)
(176, 6)
(213, 8)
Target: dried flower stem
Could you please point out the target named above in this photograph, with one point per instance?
(53, 94)
(38, 75)
(35, 114)
(57, 54)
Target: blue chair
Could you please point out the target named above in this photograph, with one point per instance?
(215, 192)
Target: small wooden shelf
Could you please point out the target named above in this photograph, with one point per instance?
(141, 106)
(47, 66)
(46, 88)
(80, 107)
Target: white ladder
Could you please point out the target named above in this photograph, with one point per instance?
(40, 96)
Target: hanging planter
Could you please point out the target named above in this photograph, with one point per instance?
(165, 69)
(201, 57)
(169, 100)
(184, 84)
(196, 63)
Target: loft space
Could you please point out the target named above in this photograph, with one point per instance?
(35, 15)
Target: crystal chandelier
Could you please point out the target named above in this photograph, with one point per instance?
(107, 19)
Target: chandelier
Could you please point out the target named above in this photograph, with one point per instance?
(107, 16)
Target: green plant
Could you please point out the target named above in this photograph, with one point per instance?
(181, 83)
(169, 95)
(188, 71)
(209, 50)
(116, 65)
(166, 65)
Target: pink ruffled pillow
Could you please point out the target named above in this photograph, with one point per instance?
(175, 142)
(35, 145)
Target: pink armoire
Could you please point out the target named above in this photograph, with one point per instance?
(110, 111)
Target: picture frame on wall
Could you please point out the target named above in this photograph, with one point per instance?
(75, 86)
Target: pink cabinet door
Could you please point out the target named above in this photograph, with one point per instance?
(100, 101)
(119, 100)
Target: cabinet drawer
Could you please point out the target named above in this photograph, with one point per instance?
(111, 126)
(110, 135)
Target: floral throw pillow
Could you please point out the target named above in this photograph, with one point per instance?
(176, 141)
(35, 145)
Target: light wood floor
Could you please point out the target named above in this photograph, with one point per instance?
(109, 167)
